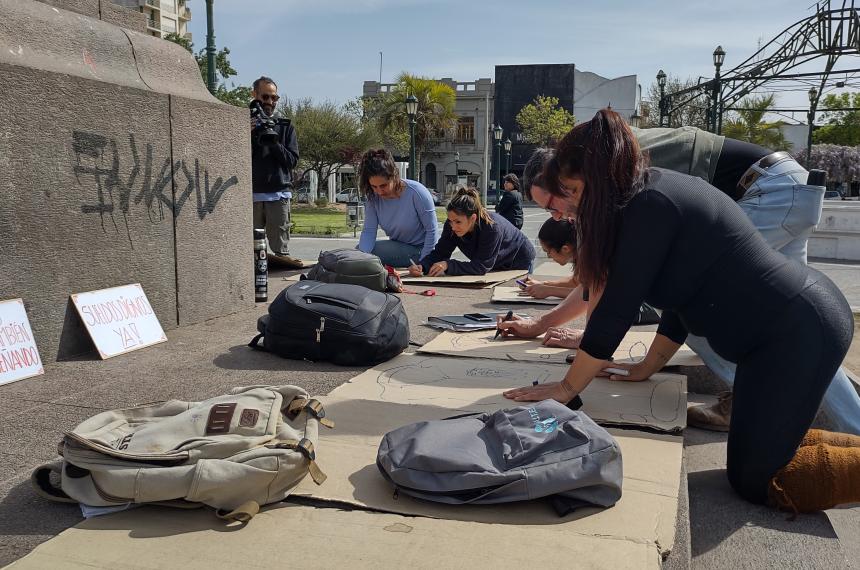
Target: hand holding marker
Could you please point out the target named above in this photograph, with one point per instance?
(508, 317)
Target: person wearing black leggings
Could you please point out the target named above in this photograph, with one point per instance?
(685, 247)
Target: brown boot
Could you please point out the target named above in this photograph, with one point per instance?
(285, 260)
(714, 417)
(836, 439)
(819, 477)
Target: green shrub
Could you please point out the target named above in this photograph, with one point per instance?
(321, 202)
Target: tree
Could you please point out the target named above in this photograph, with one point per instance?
(842, 163)
(328, 136)
(543, 121)
(435, 117)
(394, 137)
(694, 113)
(239, 96)
(842, 127)
(749, 124)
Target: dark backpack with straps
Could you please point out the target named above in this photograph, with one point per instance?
(345, 324)
(349, 266)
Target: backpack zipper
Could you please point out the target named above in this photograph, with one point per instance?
(321, 329)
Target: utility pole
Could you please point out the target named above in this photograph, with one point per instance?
(210, 48)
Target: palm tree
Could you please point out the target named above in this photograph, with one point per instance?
(435, 115)
(749, 124)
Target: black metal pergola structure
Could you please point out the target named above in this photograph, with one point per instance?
(831, 33)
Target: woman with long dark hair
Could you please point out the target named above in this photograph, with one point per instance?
(402, 208)
(488, 240)
(687, 248)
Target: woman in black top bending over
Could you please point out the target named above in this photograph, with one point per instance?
(685, 247)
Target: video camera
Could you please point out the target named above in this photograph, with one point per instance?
(265, 133)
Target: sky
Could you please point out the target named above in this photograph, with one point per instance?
(326, 49)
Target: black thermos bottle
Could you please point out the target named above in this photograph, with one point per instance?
(261, 267)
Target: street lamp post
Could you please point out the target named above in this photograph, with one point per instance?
(457, 169)
(210, 49)
(717, 114)
(508, 155)
(497, 135)
(412, 111)
(813, 99)
(661, 83)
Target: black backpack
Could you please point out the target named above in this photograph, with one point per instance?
(349, 266)
(344, 324)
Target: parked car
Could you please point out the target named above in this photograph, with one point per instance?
(832, 195)
(302, 195)
(348, 195)
(437, 197)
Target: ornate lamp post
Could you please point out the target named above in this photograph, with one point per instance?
(508, 155)
(412, 111)
(497, 136)
(210, 49)
(813, 99)
(717, 116)
(457, 168)
(661, 83)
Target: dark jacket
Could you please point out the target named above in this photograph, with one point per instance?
(489, 247)
(510, 207)
(272, 166)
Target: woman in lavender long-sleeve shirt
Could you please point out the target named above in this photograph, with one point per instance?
(402, 208)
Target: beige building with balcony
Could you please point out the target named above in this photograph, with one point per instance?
(163, 16)
(448, 161)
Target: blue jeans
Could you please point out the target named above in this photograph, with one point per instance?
(396, 253)
(785, 210)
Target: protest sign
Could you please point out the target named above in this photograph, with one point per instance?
(19, 357)
(119, 319)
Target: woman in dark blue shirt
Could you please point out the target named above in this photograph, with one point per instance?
(488, 240)
(687, 248)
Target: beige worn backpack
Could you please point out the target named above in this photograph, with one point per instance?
(235, 452)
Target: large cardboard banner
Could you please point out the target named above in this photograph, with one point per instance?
(119, 319)
(19, 357)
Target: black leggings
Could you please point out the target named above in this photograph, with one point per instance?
(780, 383)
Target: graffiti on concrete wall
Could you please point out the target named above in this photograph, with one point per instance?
(143, 181)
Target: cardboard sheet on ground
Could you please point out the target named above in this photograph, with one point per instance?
(502, 294)
(478, 281)
(645, 514)
(481, 344)
(468, 385)
(157, 538)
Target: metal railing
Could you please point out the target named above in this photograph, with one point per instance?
(154, 24)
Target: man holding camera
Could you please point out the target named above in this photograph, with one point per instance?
(274, 155)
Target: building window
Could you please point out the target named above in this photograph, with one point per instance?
(168, 6)
(168, 26)
(466, 130)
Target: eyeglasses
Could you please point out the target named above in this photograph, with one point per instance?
(272, 98)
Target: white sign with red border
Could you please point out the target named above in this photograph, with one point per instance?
(19, 357)
(119, 319)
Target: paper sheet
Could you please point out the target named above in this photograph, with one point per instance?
(480, 281)
(502, 294)
(155, 538)
(469, 385)
(481, 344)
(646, 512)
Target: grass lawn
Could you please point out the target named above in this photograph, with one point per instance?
(310, 220)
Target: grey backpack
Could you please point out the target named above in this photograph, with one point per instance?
(234, 452)
(528, 452)
(349, 266)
